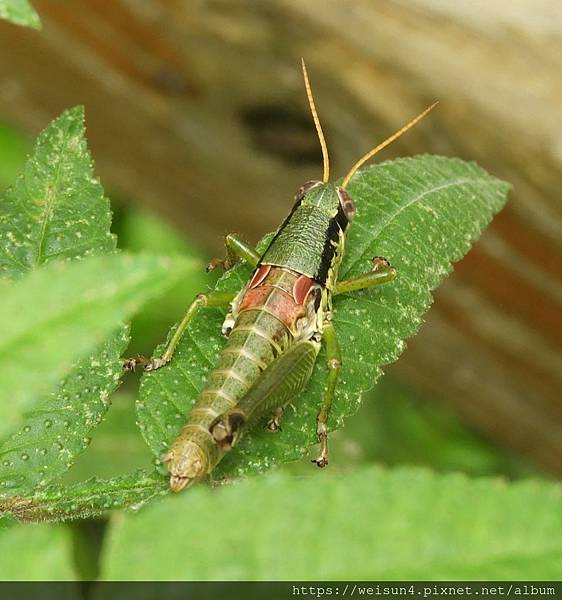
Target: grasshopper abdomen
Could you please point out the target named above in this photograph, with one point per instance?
(274, 310)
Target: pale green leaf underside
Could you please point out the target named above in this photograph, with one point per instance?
(63, 311)
(117, 446)
(19, 12)
(37, 553)
(422, 214)
(85, 499)
(56, 209)
(405, 524)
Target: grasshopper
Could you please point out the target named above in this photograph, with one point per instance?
(275, 324)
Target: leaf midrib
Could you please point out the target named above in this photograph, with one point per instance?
(52, 194)
(390, 218)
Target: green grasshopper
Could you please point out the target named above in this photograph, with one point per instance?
(275, 325)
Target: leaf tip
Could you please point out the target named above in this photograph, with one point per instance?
(75, 113)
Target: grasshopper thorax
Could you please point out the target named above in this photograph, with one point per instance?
(311, 240)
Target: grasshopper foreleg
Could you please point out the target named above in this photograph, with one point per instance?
(236, 249)
(211, 300)
(382, 272)
(333, 356)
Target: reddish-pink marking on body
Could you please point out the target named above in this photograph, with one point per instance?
(260, 274)
(255, 297)
(302, 287)
(287, 307)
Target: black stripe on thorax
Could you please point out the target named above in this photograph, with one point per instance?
(337, 226)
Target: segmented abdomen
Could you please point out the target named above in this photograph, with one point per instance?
(263, 329)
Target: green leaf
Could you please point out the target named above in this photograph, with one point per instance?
(404, 524)
(85, 499)
(421, 213)
(58, 428)
(19, 12)
(73, 223)
(56, 209)
(63, 311)
(37, 553)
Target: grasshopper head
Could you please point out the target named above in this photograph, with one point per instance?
(186, 463)
(326, 197)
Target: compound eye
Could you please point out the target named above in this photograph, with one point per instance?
(305, 187)
(347, 204)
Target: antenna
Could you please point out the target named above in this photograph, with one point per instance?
(325, 158)
(384, 144)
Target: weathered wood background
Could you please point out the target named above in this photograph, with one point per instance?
(197, 110)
